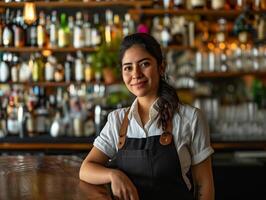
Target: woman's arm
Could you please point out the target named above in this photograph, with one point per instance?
(203, 180)
(93, 171)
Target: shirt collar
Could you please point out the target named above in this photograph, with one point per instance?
(133, 112)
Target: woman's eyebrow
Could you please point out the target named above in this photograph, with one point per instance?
(143, 59)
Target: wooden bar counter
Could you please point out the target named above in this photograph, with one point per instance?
(45, 177)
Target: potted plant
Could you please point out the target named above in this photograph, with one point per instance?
(105, 61)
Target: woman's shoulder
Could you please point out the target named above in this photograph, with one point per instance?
(188, 112)
(117, 114)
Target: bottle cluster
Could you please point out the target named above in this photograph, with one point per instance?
(59, 30)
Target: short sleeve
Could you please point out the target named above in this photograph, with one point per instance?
(107, 139)
(200, 145)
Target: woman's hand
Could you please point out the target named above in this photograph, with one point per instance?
(122, 186)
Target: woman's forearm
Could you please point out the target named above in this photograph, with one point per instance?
(204, 192)
(94, 173)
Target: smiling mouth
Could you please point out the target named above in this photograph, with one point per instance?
(139, 84)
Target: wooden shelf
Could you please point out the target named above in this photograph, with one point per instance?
(51, 84)
(213, 75)
(259, 145)
(202, 12)
(45, 146)
(254, 145)
(80, 4)
(34, 49)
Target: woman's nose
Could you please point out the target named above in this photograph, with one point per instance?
(137, 73)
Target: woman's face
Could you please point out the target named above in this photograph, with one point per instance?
(140, 72)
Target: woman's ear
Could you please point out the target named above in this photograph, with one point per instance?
(162, 69)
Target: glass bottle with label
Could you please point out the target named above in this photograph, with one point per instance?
(63, 32)
(4, 68)
(59, 73)
(79, 67)
(50, 68)
(8, 35)
(96, 34)
(38, 68)
(69, 68)
(15, 69)
(198, 4)
(87, 30)
(89, 73)
(19, 33)
(1, 29)
(179, 4)
(54, 30)
(41, 31)
(12, 121)
(217, 4)
(78, 35)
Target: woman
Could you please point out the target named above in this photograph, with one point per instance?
(160, 147)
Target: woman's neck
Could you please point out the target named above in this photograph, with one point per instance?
(144, 108)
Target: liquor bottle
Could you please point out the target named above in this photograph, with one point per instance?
(54, 30)
(198, 4)
(31, 34)
(59, 73)
(262, 27)
(41, 115)
(217, 4)
(41, 30)
(56, 129)
(14, 69)
(117, 31)
(89, 73)
(96, 31)
(128, 25)
(78, 35)
(63, 32)
(221, 34)
(79, 67)
(87, 30)
(69, 68)
(71, 29)
(1, 29)
(263, 4)
(179, 4)
(8, 35)
(156, 28)
(12, 120)
(3, 118)
(165, 34)
(38, 68)
(4, 68)
(240, 4)
(19, 33)
(108, 26)
(50, 68)
(243, 26)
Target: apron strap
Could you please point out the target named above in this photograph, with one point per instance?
(123, 131)
(165, 139)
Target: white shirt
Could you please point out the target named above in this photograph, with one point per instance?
(190, 133)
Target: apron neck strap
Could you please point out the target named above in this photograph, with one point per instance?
(165, 138)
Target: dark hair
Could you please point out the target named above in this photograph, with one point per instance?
(168, 100)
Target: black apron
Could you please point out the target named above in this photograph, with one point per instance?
(153, 168)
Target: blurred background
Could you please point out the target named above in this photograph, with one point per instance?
(59, 76)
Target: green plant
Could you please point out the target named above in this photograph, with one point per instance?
(106, 56)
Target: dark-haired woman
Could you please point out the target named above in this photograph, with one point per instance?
(159, 148)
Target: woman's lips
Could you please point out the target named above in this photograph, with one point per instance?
(139, 84)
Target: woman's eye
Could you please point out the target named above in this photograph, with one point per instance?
(145, 64)
(127, 68)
